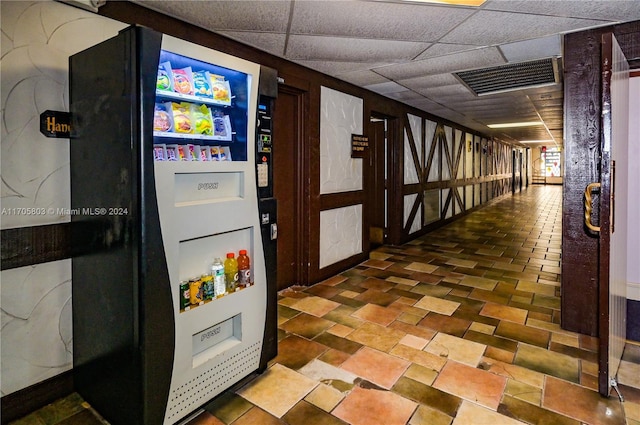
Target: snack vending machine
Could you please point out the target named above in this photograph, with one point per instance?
(163, 184)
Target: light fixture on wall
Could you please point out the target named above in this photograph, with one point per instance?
(516, 124)
(474, 3)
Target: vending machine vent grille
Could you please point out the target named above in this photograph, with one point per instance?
(202, 388)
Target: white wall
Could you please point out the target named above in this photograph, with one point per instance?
(633, 212)
(37, 40)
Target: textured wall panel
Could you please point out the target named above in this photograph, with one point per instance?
(36, 324)
(410, 167)
(340, 117)
(416, 224)
(340, 234)
(37, 40)
(434, 171)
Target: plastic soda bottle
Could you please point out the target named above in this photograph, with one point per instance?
(217, 271)
(244, 269)
(231, 272)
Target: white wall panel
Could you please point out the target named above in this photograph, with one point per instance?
(416, 224)
(37, 40)
(430, 129)
(410, 167)
(340, 117)
(340, 234)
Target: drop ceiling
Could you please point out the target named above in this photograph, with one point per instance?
(410, 51)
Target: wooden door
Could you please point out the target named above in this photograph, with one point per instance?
(287, 185)
(377, 182)
(613, 212)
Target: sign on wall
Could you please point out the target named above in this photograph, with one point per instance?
(359, 145)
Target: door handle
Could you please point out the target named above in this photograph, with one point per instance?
(587, 207)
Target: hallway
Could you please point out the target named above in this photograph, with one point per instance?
(460, 326)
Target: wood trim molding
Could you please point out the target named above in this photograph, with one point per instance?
(34, 397)
(25, 246)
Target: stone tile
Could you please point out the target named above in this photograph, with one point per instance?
(479, 282)
(327, 373)
(376, 366)
(523, 333)
(437, 305)
(471, 413)
(376, 297)
(548, 362)
(306, 325)
(378, 264)
(257, 416)
(376, 314)
(370, 406)
(277, 390)
(531, 413)
(421, 267)
(304, 413)
(457, 262)
(343, 344)
(445, 324)
(376, 336)
(420, 357)
(377, 284)
(472, 384)
(503, 312)
(581, 403)
(522, 391)
(315, 306)
(458, 349)
(428, 395)
(294, 351)
(334, 357)
(325, 397)
(340, 330)
(427, 416)
(228, 407)
(421, 374)
(402, 281)
(413, 341)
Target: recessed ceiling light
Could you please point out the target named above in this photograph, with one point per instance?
(452, 2)
(516, 124)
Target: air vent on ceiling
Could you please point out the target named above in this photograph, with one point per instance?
(513, 76)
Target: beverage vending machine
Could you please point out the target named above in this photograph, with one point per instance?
(164, 180)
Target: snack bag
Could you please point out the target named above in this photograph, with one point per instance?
(165, 77)
(192, 151)
(221, 126)
(202, 118)
(221, 90)
(183, 81)
(215, 153)
(205, 154)
(159, 152)
(162, 118)
(172, 153)
(202, 84)
(182, 121)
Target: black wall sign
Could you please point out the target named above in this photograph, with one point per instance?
(359, 145)
(55, 124)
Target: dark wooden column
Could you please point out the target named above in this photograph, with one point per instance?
(582, 85)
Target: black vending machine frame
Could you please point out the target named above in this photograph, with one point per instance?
(124, 331)
(268, 206)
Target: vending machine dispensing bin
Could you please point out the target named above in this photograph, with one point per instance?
(164, 182)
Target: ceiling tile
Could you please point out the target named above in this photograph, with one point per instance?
(361, 78)
(377, 20)
(440, 49)
(306, 47)
(429, 81)
(264, 15)
(268, 42)
(386, 87)
(336, 68)
(490, 28)
(610, 10)
(536, 48)
(455, 62)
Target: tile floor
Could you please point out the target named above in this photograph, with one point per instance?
(458, 327)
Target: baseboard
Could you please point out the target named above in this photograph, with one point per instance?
(633, 320)
(34, 397)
